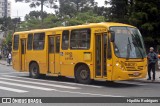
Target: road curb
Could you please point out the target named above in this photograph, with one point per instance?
(147, 81)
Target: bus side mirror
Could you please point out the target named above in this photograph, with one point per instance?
(112, 36)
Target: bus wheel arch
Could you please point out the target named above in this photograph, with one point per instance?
(34, 69)
(82, 73)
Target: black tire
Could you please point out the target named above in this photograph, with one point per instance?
(43, 76)
(62, 77)
(34, 70)
(82, 75)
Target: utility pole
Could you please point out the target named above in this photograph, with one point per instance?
(5, 21)
(5, 16)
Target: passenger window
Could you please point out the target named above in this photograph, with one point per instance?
(51, 44)
(80, 39)
(39, 41)
(16, 42)
(29, 43)
(109, 55)
(65, 40)
(57, 44)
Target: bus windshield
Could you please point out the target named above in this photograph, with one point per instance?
(128, 43)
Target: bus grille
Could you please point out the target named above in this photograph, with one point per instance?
(131, 75)
(134, 68)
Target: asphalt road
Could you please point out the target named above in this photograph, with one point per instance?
(15, 84)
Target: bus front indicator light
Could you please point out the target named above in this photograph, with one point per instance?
(120, 66)
(117, 64)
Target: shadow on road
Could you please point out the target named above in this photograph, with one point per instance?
(118, 84)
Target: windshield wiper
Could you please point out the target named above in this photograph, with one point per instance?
(136, 42)
(128, 46)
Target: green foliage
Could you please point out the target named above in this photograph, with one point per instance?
(146, 17)
(148, 39)
(9, 38)
(118, 11)
(72, 7)
(88, 17)
(35, 3)
(5, 42)
(52, 20)
(143, 14)
(6, 23)
(35, 14)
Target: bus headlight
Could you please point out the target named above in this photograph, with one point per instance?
(121, 66)
(117, 64)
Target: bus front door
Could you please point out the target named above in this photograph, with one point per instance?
(53, 51)
(23, 52)
(57, 55)
(51, 54)
(100, 56)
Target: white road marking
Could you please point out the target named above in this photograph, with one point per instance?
(136, 83)
(48, 89)
(54, 81)
(14, 72)
(85, 93)
(12, 89)
(26, 86)
(37, 83)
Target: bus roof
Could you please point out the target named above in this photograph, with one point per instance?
(91, 25)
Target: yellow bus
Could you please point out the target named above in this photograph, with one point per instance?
(100, 51)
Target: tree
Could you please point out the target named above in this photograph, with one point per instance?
(6, 23)
(85, 17)
(33, 21)
(118, 11)
(52, 20)
(66, 8)
(34, 3)
(80, 5)
(102, 11)
(72, 7)
(146, 17)
(35, 14)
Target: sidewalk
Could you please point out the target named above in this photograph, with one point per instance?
(4, 62)
(157, 80)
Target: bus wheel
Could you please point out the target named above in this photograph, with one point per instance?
(82, 74)
(34, 70)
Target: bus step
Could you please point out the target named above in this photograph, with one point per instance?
(51, 74)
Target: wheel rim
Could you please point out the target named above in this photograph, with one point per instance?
(84, 74)
(34, 70)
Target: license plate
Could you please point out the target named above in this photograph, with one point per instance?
(136, 73)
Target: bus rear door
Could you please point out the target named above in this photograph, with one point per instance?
(23, 53)
(53, 54)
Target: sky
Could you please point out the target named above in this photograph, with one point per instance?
(21, 9)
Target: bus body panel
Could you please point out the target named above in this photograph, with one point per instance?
(64, 62)
(35, 57)
(16, 60)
